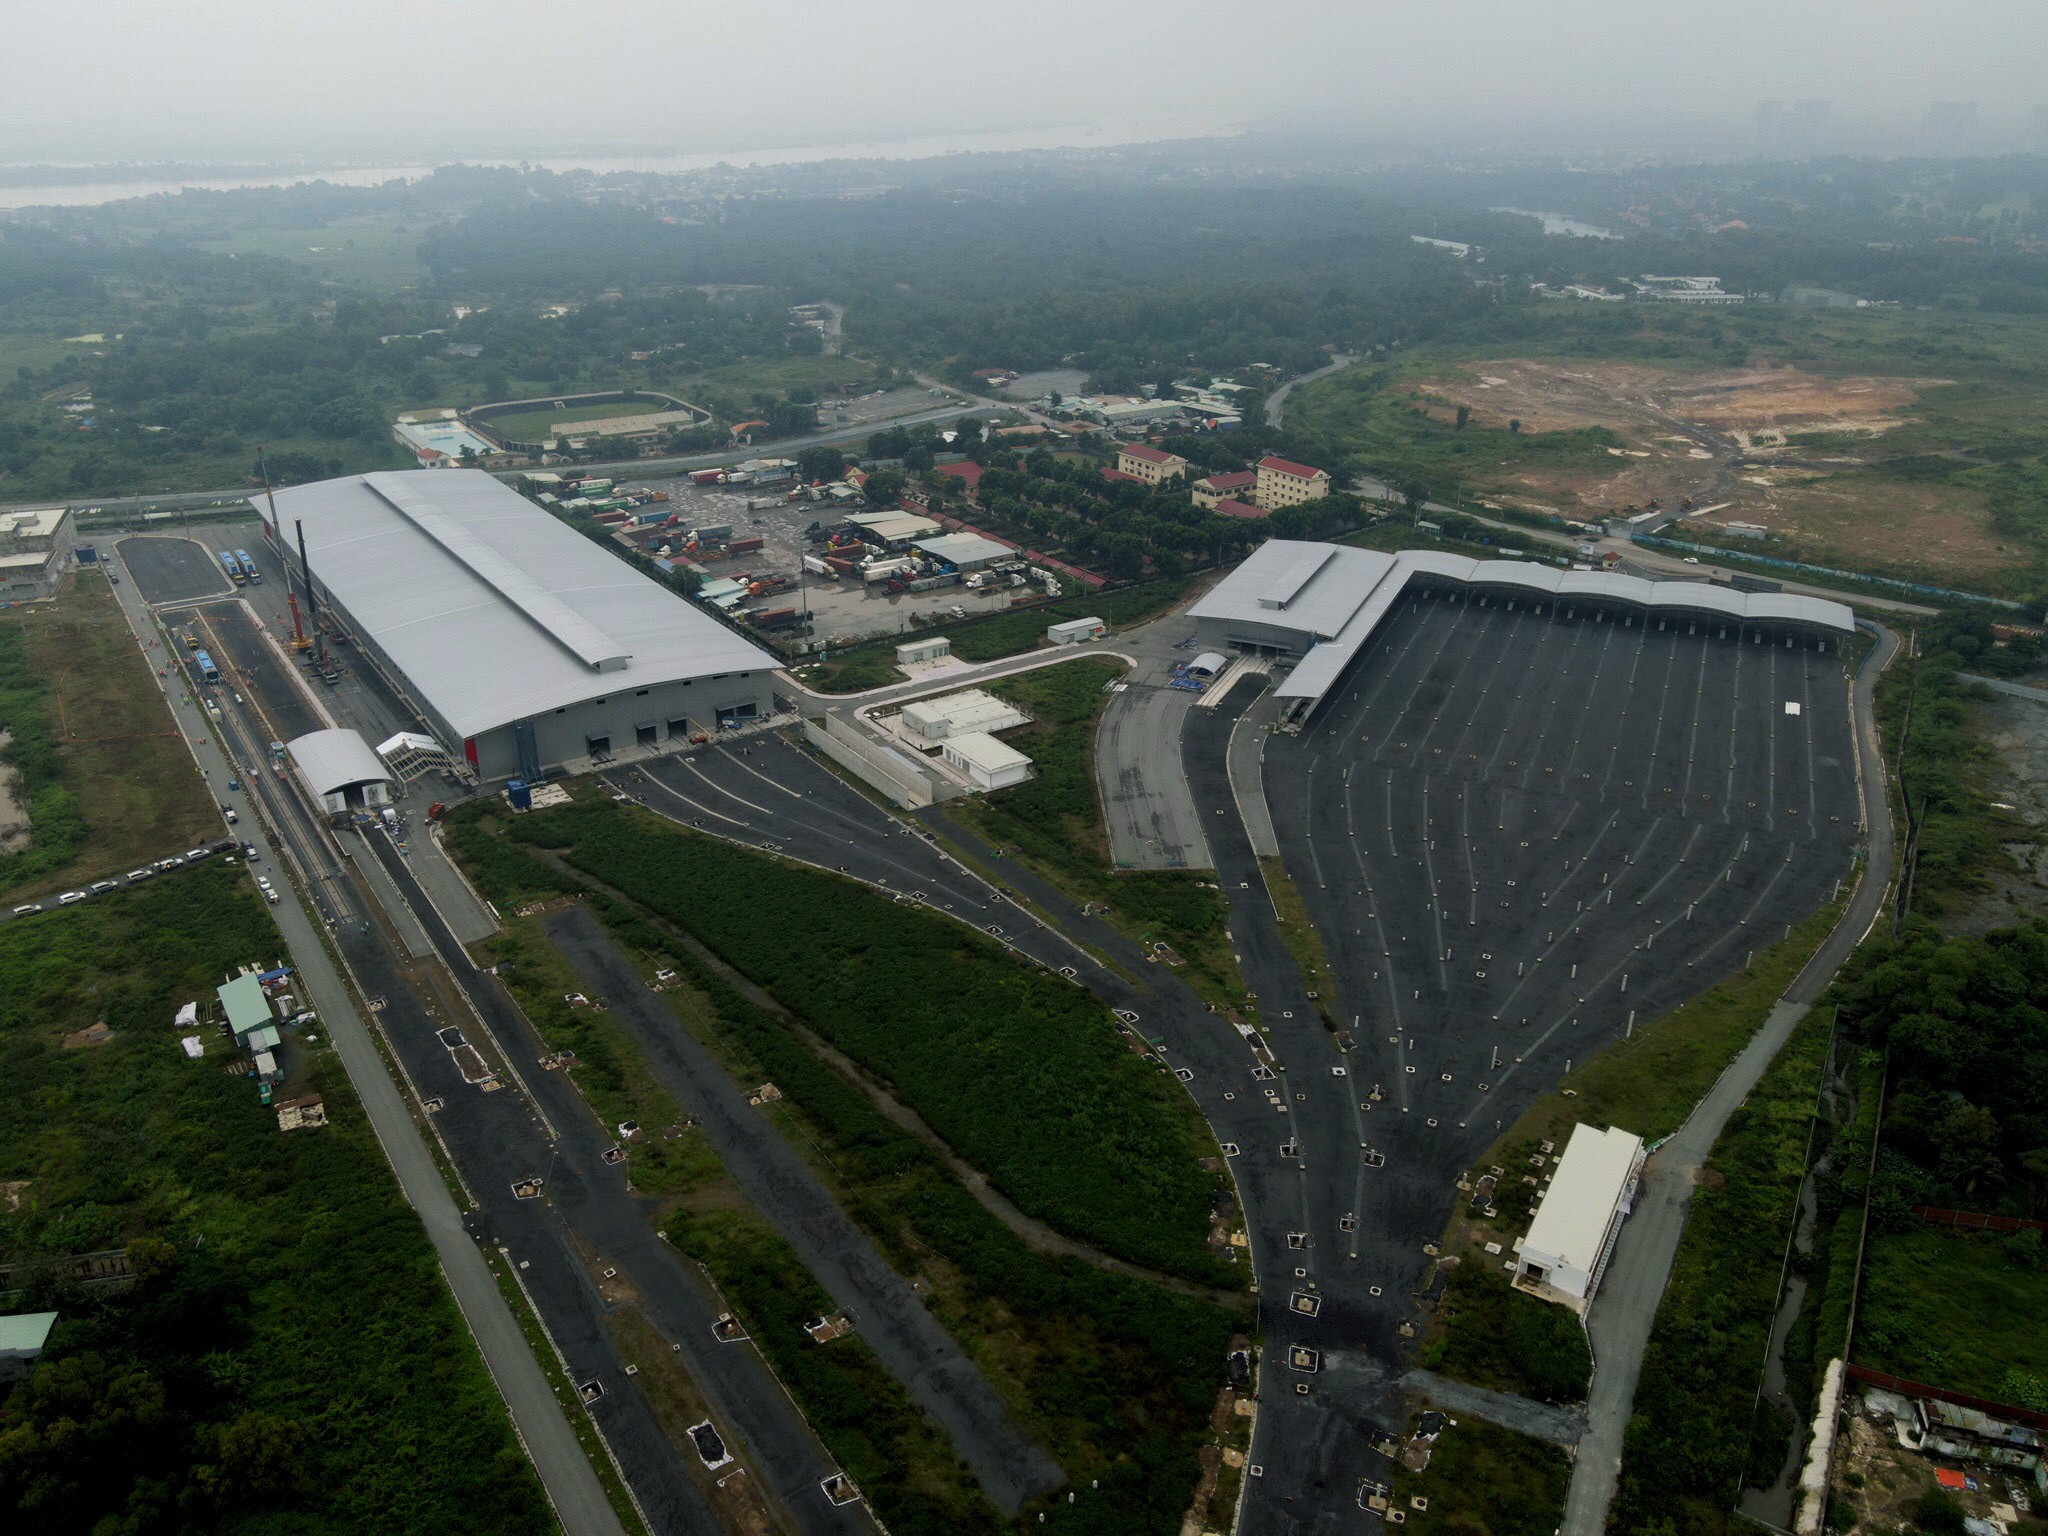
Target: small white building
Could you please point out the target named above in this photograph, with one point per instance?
(1072, 631)
(22, 1337)
(1207, 665)
(937, 648)
(991, 764)
(1591, 1190)
(959, 714)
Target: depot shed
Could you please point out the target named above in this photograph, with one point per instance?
(960, 714)
(1072, 631)
(991, 764)
(22, 1337)
(248, 1010)
(1580, 1216)
(913, 651)
(339, 771)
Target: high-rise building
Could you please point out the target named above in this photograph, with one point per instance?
(1790, 128)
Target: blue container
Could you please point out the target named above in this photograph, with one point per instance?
(521, 793)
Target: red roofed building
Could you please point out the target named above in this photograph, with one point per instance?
(1211, 489)
(1229, 508)
(1284, 483)
(1117, 474)
(967, 471)
(1136, 461)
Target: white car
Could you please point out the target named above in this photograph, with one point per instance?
(1692, 559)
(105, 885)
(140, 874)
(28, 907)
(263, 882)
(69, 897)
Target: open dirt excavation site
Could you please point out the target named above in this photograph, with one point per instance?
(1731, 440)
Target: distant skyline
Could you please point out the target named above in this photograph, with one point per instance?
(376, 80)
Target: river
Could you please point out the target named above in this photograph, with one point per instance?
(1560, 224)
(89, 192)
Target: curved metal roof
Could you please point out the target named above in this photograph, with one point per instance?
(332, 760)
(1333, 597)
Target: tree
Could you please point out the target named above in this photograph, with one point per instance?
(1414, 493)
(1515, 424)
(1464, 415)
(884, 486)
(820, 464)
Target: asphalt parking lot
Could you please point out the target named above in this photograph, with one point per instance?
(170, 568)
(1499, 826)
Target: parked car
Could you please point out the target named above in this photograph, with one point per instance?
(140, 874)
(69, 897)
(234, 784)
(197, 853)
(27, 907)
(105, 885)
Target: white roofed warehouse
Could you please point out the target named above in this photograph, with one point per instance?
(524, 646)
(1590, 1192)
(1323, 602)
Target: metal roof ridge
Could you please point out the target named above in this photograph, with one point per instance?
(547, 612)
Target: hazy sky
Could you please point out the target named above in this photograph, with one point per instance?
(372, 78)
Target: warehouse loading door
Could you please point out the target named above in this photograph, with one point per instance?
(738, 714)
(646, 735)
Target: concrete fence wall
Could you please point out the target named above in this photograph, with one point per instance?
(904, 781)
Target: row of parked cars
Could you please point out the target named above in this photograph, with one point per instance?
(149, 871)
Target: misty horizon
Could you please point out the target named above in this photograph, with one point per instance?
(232, 83)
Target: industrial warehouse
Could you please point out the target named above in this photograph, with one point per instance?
(1322, 602)
(513, 635)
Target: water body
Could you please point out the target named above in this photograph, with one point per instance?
(1559, 224)
(91, 194)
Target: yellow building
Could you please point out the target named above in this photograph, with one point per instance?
(1210, 489)
(1283, 483)
(1149, 464)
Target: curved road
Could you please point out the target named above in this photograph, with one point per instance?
(1276, 403)
(1620, 1320)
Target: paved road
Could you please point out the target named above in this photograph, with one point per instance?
(1499, 825)
(173, 501)
(889, 1315)
(1621, 1319)
(1541, 1421)
(2010, 690)
(1152, 819)
(572, 1486)
(1276, 403)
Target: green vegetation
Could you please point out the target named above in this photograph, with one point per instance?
(1400, 439)
(1506, 1340)
(100, 766)
(1298, 933)
(1080, 1353)
(1689, 1443)
(1649, 1083)
(1946, 767)
(288, 1356)
(853, 671)
(608, 1072)
(1954, 1025)
(1018, 1071)
(1054, 823)
(1959, 1310)
(899, 1458)
(1483, 1480)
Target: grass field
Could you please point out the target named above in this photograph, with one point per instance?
(1078, 1353)
(1956, 1309)
(1483, 1480)
(107, 780)
(19, 350)
(382, 256)
(1022, 1074)
(289, 1358)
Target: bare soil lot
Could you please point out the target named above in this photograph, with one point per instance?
(1772, 445)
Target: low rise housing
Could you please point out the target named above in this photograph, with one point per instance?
(1591, 1190)
(958, 714)
(36, 548)
(1210, 489)
(1232, 508)
(1284, 483)
(22, 1337)
(989, 763)
(1683, 290)
(1072, 631)
(1151, 465)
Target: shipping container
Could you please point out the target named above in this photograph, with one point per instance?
(705, 476)
(744, 546)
